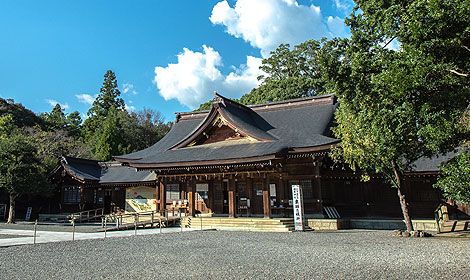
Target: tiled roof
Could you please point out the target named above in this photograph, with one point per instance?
(92, 171)
(281, 126)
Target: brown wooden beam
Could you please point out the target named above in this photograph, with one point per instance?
(317, 187)
(211, 194)
(249, 193)
(162, 205)
(191, 198)
(231, 199)
(266, 198)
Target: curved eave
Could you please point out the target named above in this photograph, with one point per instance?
(204, 162)
(321, 148)
(79, 179)
(125, 160)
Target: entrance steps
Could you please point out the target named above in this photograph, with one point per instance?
(240, 224)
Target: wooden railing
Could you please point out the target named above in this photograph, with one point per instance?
(86, 215)
(136, 218)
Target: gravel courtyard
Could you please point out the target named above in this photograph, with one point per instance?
(243, 255)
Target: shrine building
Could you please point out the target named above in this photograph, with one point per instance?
(235, 160)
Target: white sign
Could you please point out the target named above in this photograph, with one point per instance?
(298, 207)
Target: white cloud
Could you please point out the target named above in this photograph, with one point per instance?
(266, 24)
(196, 75)
(344, 5)
(54, 102)
(337, 27)
(86, 98)
(393, 45)
(129, 107)
(128, 88)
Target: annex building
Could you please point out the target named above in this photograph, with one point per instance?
(237, 161)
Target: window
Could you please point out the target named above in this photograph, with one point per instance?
(306, 186)
(71, 195)
(172, 191)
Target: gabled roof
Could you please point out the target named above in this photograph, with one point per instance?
(237, 116)
(279, 128)
(94, 172)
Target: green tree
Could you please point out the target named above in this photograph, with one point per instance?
(7, 125)
(20, 170)
(109, 138)
(152, 127)
(107, 99)
(58, 120)
(455, 178)
(398, 106)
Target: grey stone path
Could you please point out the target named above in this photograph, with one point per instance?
(12, 237)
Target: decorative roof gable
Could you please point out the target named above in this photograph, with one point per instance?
(227, 121)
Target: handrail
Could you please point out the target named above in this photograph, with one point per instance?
(119, 218)
(85, 215)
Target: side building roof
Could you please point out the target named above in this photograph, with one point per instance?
(92, 172)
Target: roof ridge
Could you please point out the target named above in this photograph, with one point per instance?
(267, 105)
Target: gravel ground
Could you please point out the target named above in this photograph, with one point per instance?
(354, 254)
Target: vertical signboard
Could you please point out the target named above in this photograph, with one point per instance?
(28, 213)
(298, 207)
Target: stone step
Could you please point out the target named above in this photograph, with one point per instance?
(250, 229)
(241, 224)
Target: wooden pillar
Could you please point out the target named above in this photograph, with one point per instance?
(162, 205)
(191, 197)
(317, 187)
(249, 193)
(280, 191)
(211, 195)
(266, 198)
(232, 213)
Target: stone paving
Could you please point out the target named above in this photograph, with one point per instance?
(12, 236)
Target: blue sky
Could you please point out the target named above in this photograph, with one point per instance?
(169, 56)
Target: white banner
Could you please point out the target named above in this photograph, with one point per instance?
(298, 207)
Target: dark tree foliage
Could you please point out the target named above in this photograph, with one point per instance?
(20, 169)
(398, 106)
(455, 178)
(21, 115)
(58, 120)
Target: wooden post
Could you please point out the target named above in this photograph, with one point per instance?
(266, 198)
(105, 225)
(191, 197)
(249, 193)
(231, 199)
(73, 232)
(317, 186)
(211, 195)
(35, 227)
(162, 197)
(157, 196)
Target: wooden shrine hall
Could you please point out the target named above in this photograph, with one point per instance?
(237, 160)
